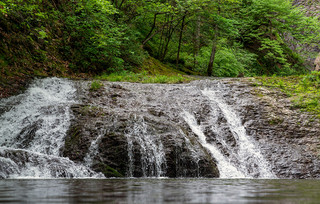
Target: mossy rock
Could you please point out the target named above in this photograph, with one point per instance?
(109, 171)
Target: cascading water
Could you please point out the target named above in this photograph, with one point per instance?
(94, 148)
(226, 169)
(243, 160)
(146, 130)
(151, 149)
(250, 160)
(32, 132)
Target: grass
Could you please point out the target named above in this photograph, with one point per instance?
(303, 90)
(144, 77)
(95, 85)
(151, 71)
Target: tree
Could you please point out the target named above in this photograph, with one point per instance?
(266, 24)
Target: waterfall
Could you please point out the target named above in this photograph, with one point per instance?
(93, 149)
(151, 149)
(38, 119)
(33, 128)
(251, 162)
(226, 169)
(143, 130)
(244, 159)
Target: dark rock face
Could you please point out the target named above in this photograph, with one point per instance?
(127, 129)
(134, 138)
(288, 138)
(179, 160)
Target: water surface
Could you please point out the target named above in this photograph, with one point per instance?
(159, 191)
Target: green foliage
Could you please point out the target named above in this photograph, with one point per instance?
(144, 78)
(95, 85)
(303, 90)
(100, 41)
(82, 36)
(3, 9)
(267, 26)
(230, 61)
(102, 36)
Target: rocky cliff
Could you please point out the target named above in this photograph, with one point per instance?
(311, 8)
(127, 129)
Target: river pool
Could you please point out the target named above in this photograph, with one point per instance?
(159, 191)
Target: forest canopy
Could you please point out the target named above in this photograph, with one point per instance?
(219, 38)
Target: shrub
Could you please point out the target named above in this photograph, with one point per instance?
(96, 85)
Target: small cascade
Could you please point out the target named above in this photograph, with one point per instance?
(130, 154)
(248, 158)
(38, 119)
(153, 162)
(136, 130)
(194, 153)
(27, 164)
(94, 148)
(32, 132)
(226, 169)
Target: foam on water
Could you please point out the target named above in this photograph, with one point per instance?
(33, 128)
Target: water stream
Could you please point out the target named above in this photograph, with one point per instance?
(193, 118)
(250, 159)
(32, 132)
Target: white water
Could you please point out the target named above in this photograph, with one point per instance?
(44, 106)
(249, 155)
(34, 126)
(94, 148)
(33, 130)
(226, 169)
(151, 149)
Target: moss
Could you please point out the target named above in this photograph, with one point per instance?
(109, 171)
(302, 90)
(92, 111)
(152, 71)
(74, 138)
(154, 67)
(258, 93)
(95, 85)
(276, 121)
(144, 77)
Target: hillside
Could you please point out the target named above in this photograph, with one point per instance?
(87, 38)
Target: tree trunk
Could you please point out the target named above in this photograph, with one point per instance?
(180, 39)
(121, 4)
(214, 45)
(196, 42)
(159, 30)
(213, 52)
(152, 28)
(171, 29)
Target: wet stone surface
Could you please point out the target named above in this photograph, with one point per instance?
(288, 138)
(140, 130)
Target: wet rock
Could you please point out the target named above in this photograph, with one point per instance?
(27, 134)
(30, 164)
(135, 138)
(285, 139)
(140, 130)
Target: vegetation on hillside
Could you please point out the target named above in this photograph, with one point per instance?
(224, 38)
(158, 41)
(144, 77)
(220, 38)
(302, 90)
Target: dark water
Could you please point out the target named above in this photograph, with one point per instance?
(160, 191)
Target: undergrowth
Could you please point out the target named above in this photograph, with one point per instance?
(303, 90)
(144, 77)
(95, 85)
